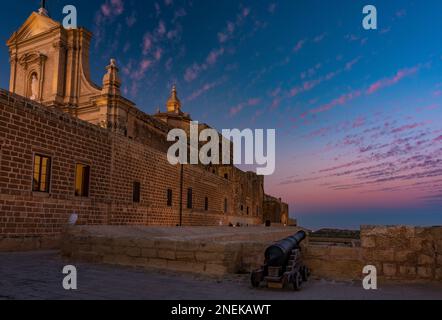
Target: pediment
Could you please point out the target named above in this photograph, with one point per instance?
(35, 25)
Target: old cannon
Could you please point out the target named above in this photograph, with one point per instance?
(283, 265)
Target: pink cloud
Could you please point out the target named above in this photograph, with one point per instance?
(130, 21)
(401, 74)
(352, 37)
(206, 87)
(140, 73)
(319, 38)
(213, 56)
(385, 30)
(245, 12)
(337, 102)
(438, 139)
(147, 43)
(359, 122)
(299, 45)
(249, 103)
(112, 8)
(180, 13)
(349, 65)
(192, 72)
(407, 127)
(158, 54)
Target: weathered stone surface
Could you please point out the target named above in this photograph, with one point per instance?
(133, 252)
(425, 272)
(216, 269)
(185, 255)
(345, 253)
(317, 251)
(404, 255)
(149, 253)
(166, 254)
(438, 274)
(166, 245)
(157, 263)
(408, 270)
(384, 255)
(389, 269)
(368, 242)
(426, 260)
(184, 266)
(439, 259)
(418, 261)
(210, 256)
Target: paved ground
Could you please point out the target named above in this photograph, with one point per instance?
(38, 275)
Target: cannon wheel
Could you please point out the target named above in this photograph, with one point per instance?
(297, 281)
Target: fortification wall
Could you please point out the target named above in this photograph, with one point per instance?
(35, 220)
(398, 252)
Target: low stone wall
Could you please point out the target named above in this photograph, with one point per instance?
(398, 252)
(333, 262)
(29, 243)
(212, 251)
(404, 253)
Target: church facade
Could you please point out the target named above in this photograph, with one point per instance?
(70, 146)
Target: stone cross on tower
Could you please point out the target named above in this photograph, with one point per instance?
(43, 9)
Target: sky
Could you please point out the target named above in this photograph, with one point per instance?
(358, 113)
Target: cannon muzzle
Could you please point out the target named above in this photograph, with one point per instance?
(279, 253)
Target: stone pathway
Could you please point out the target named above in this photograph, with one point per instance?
(38, 275)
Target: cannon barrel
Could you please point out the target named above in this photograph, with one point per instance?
(279, 253)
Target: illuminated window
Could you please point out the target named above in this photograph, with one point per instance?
(82, 174)
(42, 173)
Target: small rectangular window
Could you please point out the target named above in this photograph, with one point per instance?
(169, 197)
(225, 206)
(136, 192)
(82, 174)
(189, 198)
(42, 173)
(206, 204)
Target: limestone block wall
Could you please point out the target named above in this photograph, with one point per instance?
(217, 252)
(404, 252)
(337, 263)
(398, 252)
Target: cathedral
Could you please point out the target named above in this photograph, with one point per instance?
(69, 146)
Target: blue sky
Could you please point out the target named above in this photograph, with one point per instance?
(358, 113)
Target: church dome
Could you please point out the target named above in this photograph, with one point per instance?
(174, 103)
